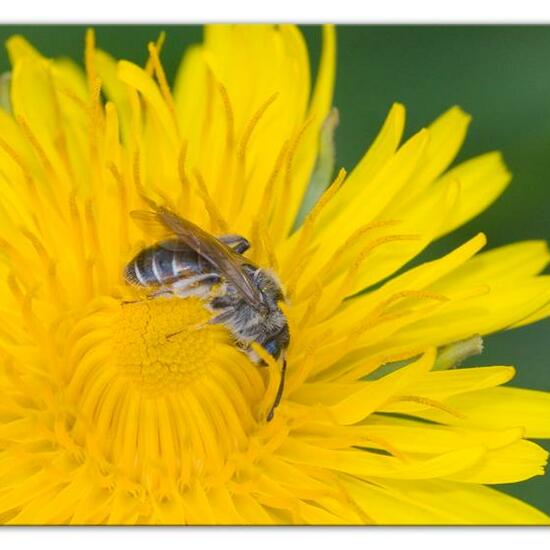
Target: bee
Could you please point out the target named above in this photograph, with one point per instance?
(191, 262)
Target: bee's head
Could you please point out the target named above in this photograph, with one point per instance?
(278, 342)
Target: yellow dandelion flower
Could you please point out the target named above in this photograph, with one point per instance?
(106, 419)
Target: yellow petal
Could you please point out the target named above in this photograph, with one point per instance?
(447, 134)
(395, 502)
(481, 181)
(137, 78)
(367, 399)
(500, 408)
(115, 89)
(518, 461)
(18, 48)
(418, 278)
(414, 437)
(507, 263)
(442, 384)
(367, 464)
(498, 309)
(384, 146)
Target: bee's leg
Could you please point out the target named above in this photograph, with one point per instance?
(237, 242)
(279, 393)
(198, 285)
(222, 317)
(194, 286)
(219, 319)
(221, 302)
(144, 299)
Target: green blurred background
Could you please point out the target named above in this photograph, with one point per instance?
(499, 74)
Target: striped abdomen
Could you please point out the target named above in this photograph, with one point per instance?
(164, 263)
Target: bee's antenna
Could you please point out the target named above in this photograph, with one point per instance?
(279, 393)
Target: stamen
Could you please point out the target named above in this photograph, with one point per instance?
(377, 316)
(402, 356)
(268, 247)
(123, 207)
(258, 252)
(165, 198)
(38, 246)
(77, 230)
(282, 221)
(60, 141)
(184, 179)
(299, 267)
(14, 288)
(89, 60)
(12, 153)
(136, 125)
(347, 285)
(54, 283)
(364, 229)
(112, 132)
(96, 127)
(403, 294)
(73, 97)
(19, 264)
(94, 84)
(292, 152)
(334, 259)
(43, 157)
(371, 321)
(215, 215)
(236, 171)
(97, 123)
(306, 365)
(365, 518)
(94, 238)
(65, 440)
(353, 373)
(163, 83)
(252, 123)
(386, 445)
(313, 300)
(230, 130)
(428, 402)
(378, 242)
(149, 67)
(264, 209)
(89, 279)
(325, 198)
(137, 175)
(207, 122)
(306, 230)
(35, 194)
(91, 222)
(25, 300)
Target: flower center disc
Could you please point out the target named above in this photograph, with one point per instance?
(164, 344)
(162, 396)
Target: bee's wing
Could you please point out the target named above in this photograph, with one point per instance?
(229, 263)
(218, 254)
(151, 224)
